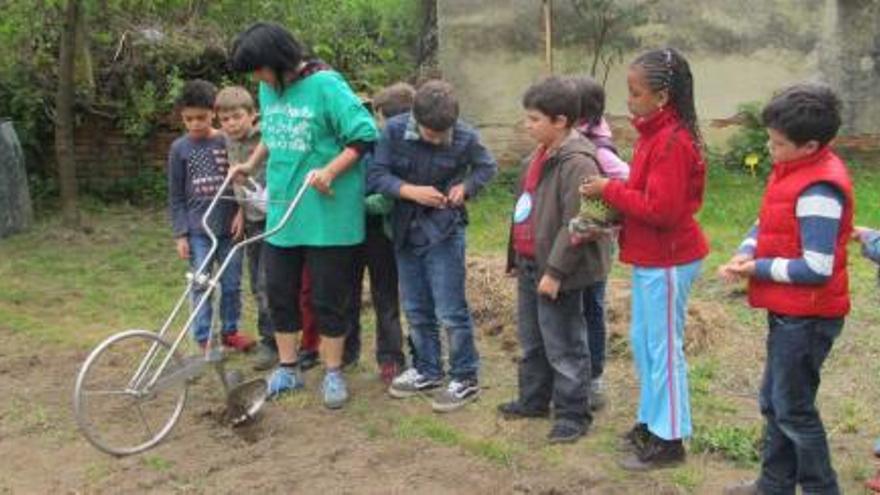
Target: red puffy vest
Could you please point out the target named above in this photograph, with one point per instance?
(779, 236)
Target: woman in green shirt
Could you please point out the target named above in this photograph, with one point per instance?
(311, 121)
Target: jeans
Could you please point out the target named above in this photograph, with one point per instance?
(254, 254)
(795, 445)
(432, 285)
(376, 254)
(556, 359)
(594, 314)
(230, 286)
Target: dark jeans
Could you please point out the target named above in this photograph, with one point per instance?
(556, 359)
(257, 272)
(594, 314)
(432, 286)
(376, 254)
(795, 445)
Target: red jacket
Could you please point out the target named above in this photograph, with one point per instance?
(779, 237)
(662, 195)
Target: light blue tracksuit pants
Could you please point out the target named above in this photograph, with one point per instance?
(659, 307)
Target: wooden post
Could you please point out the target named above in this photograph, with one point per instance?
(548, 35)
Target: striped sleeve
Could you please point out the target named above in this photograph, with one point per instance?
(748, 245)
(819, 211)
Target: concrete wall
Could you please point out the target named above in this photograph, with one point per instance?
(739, 52)
(850, 61)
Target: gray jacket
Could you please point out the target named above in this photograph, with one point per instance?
(556, 202)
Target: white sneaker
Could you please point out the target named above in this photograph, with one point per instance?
(410, 383)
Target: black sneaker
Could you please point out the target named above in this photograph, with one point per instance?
(515, 410)
(566, 432)
(657, 454)
(457, 394)
(636, 438)
(410, 383)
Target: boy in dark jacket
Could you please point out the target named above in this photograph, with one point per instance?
(431, 163)
(551, 269)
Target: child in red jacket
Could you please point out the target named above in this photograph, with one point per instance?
(661, 239)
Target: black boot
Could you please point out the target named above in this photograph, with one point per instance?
(636, 438)
(656, 454)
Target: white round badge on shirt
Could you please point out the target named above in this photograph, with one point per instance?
(523, 208)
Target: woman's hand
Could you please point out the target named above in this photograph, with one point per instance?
(322, 179)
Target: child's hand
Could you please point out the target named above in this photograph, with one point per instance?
(183, 248)
(239, 171)
(549, 287)
(592, 187)
(857, 233)
(237, 227)
(456, 195)
(727, 271)
(743, 269)
(424, 195)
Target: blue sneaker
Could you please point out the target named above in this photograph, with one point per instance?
(282, 381)
(335, 391)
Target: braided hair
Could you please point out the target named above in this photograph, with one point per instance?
(667, 69)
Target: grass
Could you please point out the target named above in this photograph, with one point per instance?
(436, 430)
(72, 289)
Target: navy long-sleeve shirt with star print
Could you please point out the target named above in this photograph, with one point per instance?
(196, 170)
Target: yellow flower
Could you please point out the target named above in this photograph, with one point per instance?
(751, 161)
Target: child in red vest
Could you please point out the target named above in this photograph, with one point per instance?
(663, 241)
(795, 261)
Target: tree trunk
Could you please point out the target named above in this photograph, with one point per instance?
(64, 146)
(427, 50)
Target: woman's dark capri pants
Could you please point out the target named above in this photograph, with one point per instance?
(331, 269)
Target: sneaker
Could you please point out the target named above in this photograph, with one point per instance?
(597, 394)
(238, 341)
(266, 357)
(636, 438)
(410, 383)
(515, 410)
(657, 454)
(744, 488)
(457, 394)
(307, 359)
(335, 391)
(566, 432)
(282, 381)
(388, 372)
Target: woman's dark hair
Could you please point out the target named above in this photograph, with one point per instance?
(555, 97)
(267, 45)
(803, 113)
(592, 98)
(668, 70)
